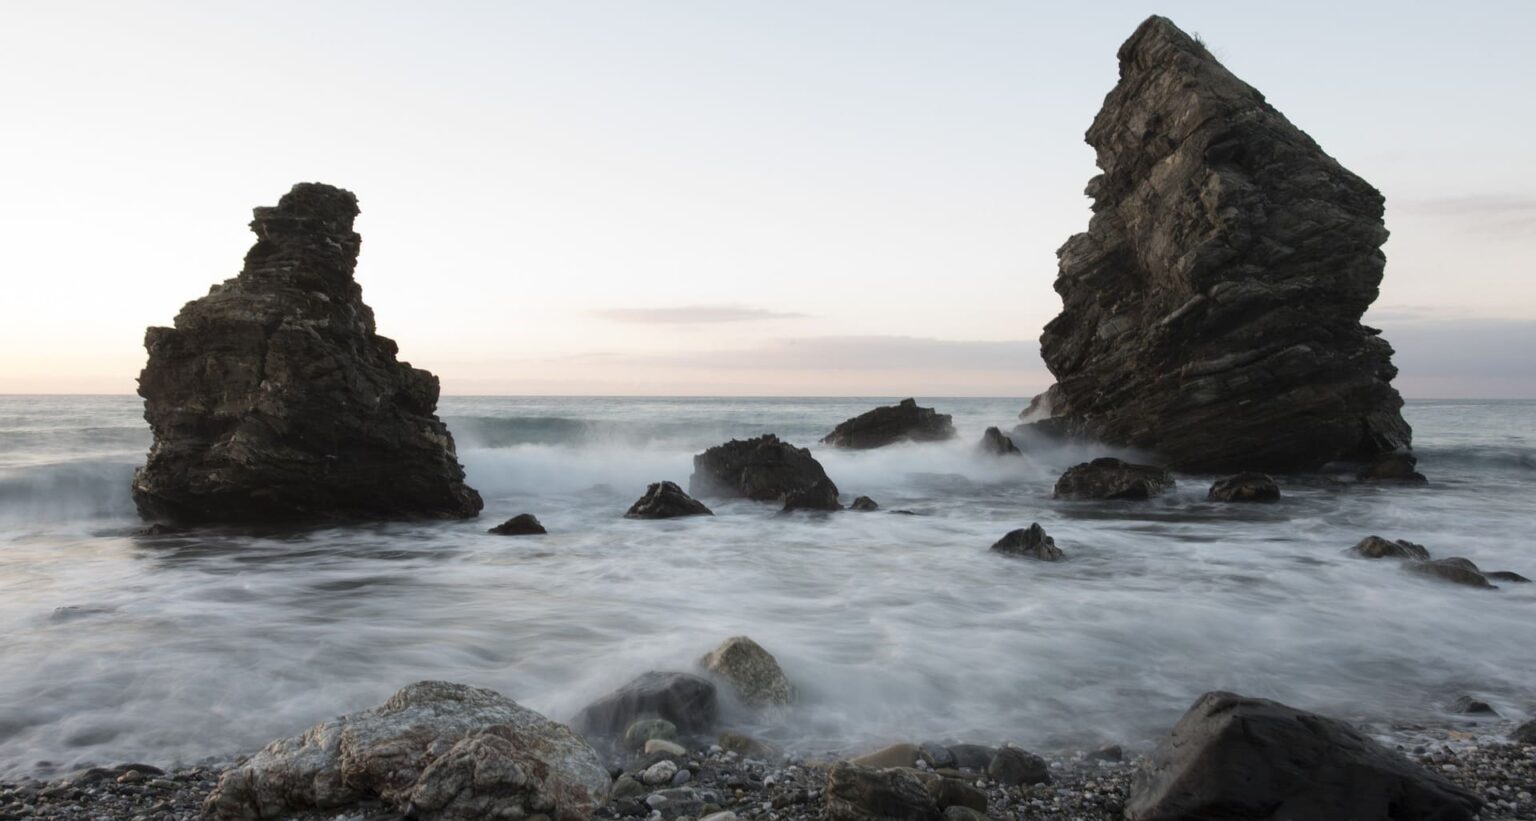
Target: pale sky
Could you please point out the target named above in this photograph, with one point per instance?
(714, 197)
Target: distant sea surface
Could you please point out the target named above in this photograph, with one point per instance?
(116, 647)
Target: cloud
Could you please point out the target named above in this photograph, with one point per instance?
(888, 353)
(691, 314)
(1510, 214)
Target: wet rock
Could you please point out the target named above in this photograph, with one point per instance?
(1029, 543)
(665, 500)
(1013, 766)
(1211, 312)
(435, 750)
(1108, 752)
(638, 733)
(895, 755)
(1469, 706)
(659, 773)
(959, 813)
(685, 700)
(903, 422)
(1375, 547)
(1245, 487)
(937, 755)
(1507, 576)
(973, 757)
(1525, 733)
(1110, 478)
(523, 524)
(746, 746)
(1392, 467)
(764, 469)
(657, 746)
(864, 504)
(820, 496)
(997, 443)
(274, 399)
(1236, 757)
(952, 792)
(855, 793)
(751, 671)
(1454, 569)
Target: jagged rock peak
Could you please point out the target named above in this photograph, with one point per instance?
(1211, 311)
(273, 399)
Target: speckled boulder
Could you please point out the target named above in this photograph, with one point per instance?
(752, 671)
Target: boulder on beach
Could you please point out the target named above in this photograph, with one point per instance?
(764, 469)
(864, 504)
(1012, 766)
(997, 443)
(686, 700)
(1237, 757)
(751, 671)
(665, 500)
(855, 793)
(1109, 478)
(523, 524)
(434, 750)
(1454, 569)
(1030, 543)
(1211, 312)
(1525, 733)
(1375, 547)
(902, 422)
(1245, 487)
(274, 399)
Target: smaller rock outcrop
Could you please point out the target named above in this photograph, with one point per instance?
(686, 700)
(1013, 767)
(903, 422)
(997, 443)
(857, 793)
(1110, 478)
(435, 750)
(1507, 576)
(1030, 543)
(1397, 467)
(1375, 547)
(1525, 733)
(523, 524)
(752, 671)
(665, 500)
(864, 504)
(1469, 706)
(1245, 487)
(1236, 757)
(819, 496)
(763, 469)
(1454, 569)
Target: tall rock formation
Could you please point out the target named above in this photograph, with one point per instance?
(1211, 312)
(273, 399)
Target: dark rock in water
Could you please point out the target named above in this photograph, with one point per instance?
(1030, 542)
(996, 442)
(1469, 706)
(1454, 569)
(864, 504)
(159, 529)
(1211, 312)
(820, 496)
(687, 701)
(1245, 487)
(435, 751)
(1013, 766)
(665, 500)
(974, 757)
(857, 793)
(274, 399)
(1375, 547)
(1108, 478)
(1232, 757)
(905, 422)
(764, 469)
(1392, 467)
(523, 524)
(1525, 733)
(1507, 576)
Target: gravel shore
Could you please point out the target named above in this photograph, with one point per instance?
(770, 788)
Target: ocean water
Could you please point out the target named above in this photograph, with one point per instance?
(172, 649)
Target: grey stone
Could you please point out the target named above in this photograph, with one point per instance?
(855, 793)
(1110, 478)
(1030, 543)
(1375, 547)
(1013, 766)
(665, 500)
(1245, 487)
(751, 671)
(902, 422)
(686, 700)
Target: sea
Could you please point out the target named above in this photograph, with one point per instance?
(202, 646)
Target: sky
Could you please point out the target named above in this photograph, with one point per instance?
(714, 197)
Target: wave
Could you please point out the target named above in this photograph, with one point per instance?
(1477, 457)
(85, 488)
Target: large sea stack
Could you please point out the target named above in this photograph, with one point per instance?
(273, 399)
(1211, 312)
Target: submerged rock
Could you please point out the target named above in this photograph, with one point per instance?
(274, 399)
(864, 504)
(1375, 547)
(1109, 478)
(686, 700)
(1236, 757)
(1507, 576)
(1031, 542)
(1245, 487)
(857, 793)
(752, 671)
(435, 750)
(1469, 706)
(1525, 733)
(1211, 312)
(764, 469)
(665, 500)
(997, 443)
(1454, 569)
(523, 524)
(903, 422)
(820, 496)
(1393, 467)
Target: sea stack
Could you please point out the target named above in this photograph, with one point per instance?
(1211, 312)
(273, 399)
